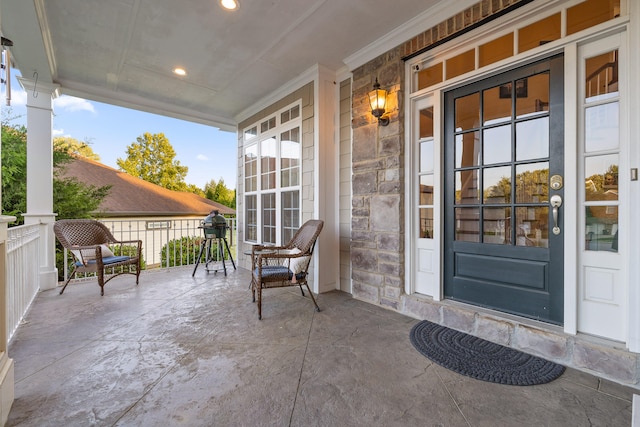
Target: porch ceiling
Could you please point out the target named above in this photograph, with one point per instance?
(123, 52)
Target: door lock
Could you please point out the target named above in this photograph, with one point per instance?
(555, 202)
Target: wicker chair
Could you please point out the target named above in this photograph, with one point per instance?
(288, 265)
(88, 240)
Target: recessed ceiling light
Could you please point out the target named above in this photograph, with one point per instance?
(229, 4)
(179, 71)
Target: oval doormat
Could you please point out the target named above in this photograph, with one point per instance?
(481, 359)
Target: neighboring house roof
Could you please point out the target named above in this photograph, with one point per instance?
(131, 196)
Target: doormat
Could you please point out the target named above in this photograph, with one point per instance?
(481, 359)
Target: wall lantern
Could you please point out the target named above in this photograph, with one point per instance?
(378, 100)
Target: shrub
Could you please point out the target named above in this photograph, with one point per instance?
(184, 251)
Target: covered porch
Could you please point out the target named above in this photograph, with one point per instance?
(183, 350)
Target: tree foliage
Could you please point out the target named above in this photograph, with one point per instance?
(152, 158)
(71, 198)
(73, 146)
(218, 192)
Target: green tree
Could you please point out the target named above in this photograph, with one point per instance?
(219, 192)
(71, 198)
(73, 146)
(152, 158)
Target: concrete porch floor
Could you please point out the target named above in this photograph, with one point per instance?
(183, 351)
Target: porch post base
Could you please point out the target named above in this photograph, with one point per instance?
(6, 387)
(48, 279)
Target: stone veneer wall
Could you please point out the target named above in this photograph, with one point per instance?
(377, 225)
(306, 95)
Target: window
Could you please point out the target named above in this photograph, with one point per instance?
(272, 176)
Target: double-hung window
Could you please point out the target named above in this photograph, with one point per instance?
(272, 177)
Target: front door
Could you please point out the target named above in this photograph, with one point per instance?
(503, 166)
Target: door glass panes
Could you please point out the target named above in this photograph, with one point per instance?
(426, 123)
(601, 174)
(497, 145)
(532, 183)
(497, 185)
(601, 76)
(501, 193)
(496, 107)
(495, 225)
(601, 228)
(468, 112)
(467, 187)
(467, 149)
(532, 139)
(532, 226)
(426, 223)
(268, 163)
(425, 173)
(426, 189)
(601, 127)
(532, 95)
(467, 224)
(601, 151)
(426, 156)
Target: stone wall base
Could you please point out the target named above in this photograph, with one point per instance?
(600, 357)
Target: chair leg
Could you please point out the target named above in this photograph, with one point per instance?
(312, 297)
(67, 282)
(301, 290)
(260, 302)
(101, 281)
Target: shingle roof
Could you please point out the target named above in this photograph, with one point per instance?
(131, 196)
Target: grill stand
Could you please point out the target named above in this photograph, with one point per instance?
(205, 247)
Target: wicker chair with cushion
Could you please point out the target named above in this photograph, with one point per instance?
(288, 265)
(89, 240)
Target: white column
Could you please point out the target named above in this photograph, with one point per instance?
(325, 181)
(6, 364)
(40, 173)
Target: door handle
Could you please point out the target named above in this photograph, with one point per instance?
(555, 202)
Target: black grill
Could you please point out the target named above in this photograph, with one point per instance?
(214, 226)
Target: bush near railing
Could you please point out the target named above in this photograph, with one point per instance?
(184, 251)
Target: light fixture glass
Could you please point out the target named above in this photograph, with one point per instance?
(229, 4)
(180, 71)
(378, 102)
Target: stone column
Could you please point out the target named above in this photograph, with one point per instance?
(377, 226)
(40, 173)
(6, 364)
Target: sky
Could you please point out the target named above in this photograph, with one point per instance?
(208, 152)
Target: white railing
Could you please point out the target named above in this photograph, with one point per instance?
(156, 233)
(23, 266)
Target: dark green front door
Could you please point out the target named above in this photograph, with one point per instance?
(503, 147)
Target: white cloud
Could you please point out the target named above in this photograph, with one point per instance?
(58, 132)
(202, 157)
(73, 104)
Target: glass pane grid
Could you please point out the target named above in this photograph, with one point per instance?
(501, 168)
